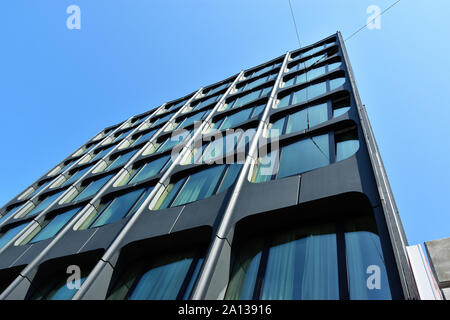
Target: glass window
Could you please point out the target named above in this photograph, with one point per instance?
(149, 169)
(92, 188)
(336, 83)
(8, 235)
(304, 155)
(67, 165)
(297, 121)
(121, 160)
(103, 153)
(302, 263)
(340, 111)
(221, 147)
(10, 213)
(39, 188)
(75, 176)
(144, 137)
(176, 105)
(217, 89)
(258, 110)
(277, 128)
(53, 225)
(192, 119)
(45, 202)
(333, 66)
(303, 119)
(346, 145)
(247, 98)
(164, 277)
(364, 257)
(206, 102)
(230, 177)
(162, 119)
(235, 119)
(173, 141)
(122, 135)
(55, 287)
(267, 167)
(298, 265)
(120, 207)
(200, 185)
(305, 94)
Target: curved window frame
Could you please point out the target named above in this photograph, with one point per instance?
(341, 251)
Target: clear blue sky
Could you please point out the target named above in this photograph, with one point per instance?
(59, 87)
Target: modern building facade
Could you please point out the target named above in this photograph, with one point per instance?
(266, 185)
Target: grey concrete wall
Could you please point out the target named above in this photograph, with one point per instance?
(439, 254)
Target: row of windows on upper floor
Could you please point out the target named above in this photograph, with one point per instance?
(255, 73)
(296, 263)
(295, 121)
(295, 158)
(300, 64)
(309, 92)
(302, 54)
(187, 189)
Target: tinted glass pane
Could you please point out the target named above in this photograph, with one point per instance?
(194, 276)
(162, 120)
(277, 128)
(300, 96)
(266, 91)
(230, 177)
(302, 265)
(340, 111)
(190, 120)
(336, 83)
(160, 278)
(11, 233)
(289, 82)
(247, 98)
(162, 282)
(150, 169)
(317, 90)
(334, 66)
(42, 186)
(284, 102)
(304, 155)
(365, 258)
(9, 214)
(253, 84)
(77, 175)
(92, 188)
(144, 137)
(103, 153)
(45, 203)
(172, 193)
(258, 110)
(199, 185)
(268, 166)
(317, 114)
(122, 160)
(346, 149)
(245, 270)
(118, 208)
(317, 72)
(235, 119)
(56, 224)
(297, 121)
(172, 141)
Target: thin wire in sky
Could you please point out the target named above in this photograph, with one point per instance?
(295, 25)
(379, 15)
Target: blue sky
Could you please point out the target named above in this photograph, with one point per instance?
(59, 87)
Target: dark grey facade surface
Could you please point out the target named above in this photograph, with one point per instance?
(153, 208)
